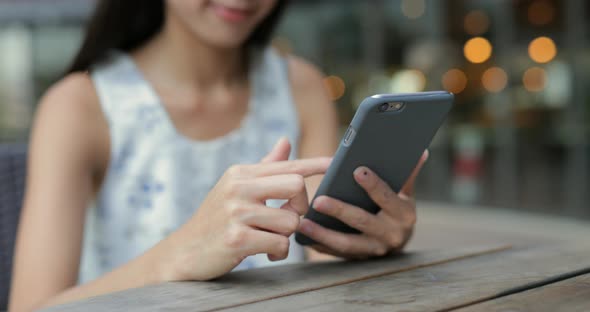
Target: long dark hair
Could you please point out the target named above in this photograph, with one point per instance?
(127, 24)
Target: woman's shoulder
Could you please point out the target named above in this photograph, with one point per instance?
(73, 97)
(71, 108)
(75, 92)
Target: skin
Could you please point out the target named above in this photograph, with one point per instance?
(196, 66)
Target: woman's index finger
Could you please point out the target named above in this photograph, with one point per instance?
(304, 167)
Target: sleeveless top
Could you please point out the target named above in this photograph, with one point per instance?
(156, 177)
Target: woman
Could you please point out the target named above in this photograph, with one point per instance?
(163, 97)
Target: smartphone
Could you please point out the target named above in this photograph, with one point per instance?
(388, 134)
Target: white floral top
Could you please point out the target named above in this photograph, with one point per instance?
(157, 177)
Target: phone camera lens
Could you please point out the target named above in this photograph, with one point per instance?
(383, 107)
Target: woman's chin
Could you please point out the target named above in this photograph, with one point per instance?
(226, 41)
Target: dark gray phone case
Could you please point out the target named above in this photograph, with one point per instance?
(389, 143)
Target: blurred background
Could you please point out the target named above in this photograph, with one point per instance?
(517, 138)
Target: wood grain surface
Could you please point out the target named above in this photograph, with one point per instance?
(571, 295)
(244, 287)
(441, 287)
(546, 264)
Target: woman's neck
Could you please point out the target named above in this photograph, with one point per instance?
(180, 58)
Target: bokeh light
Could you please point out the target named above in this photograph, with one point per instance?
(542, 50)
(477, 50)
(454, 81)
(335, 87)
(409, 80)
(413, 9)
(476, 23)
(494, 79)
(535, 79)
(541, 12)
(558, 91)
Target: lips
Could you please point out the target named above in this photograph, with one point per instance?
(231, 14)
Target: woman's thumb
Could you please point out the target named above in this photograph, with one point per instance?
(279, 152)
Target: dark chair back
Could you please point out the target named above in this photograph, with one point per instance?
(12, 184)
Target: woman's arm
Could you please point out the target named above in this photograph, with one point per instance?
(64, 156)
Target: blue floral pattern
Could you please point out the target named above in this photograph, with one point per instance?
(157, 178)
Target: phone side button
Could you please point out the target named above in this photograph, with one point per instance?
(349, 136)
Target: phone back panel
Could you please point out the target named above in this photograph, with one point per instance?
(389, 143)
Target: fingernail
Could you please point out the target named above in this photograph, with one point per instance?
(322, 208)
(283, 138)
(362, 173)
(318, 204)
(426, 155)
(306, 228)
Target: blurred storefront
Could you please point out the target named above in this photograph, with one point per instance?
(518, 136)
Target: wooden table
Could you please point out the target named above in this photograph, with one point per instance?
(461, 259)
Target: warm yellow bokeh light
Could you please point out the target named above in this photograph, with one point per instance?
(335, 87)
(413, 8)
(541, 12)
(535, 79)
(454, 81)
(542, 50)
(476, 23)
(478, 50)
(494, 79)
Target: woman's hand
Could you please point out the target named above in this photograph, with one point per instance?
(387, 231)
(233, 222)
